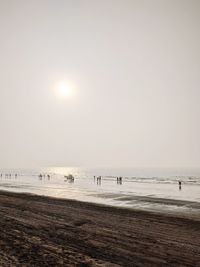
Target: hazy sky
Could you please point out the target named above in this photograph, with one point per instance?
(135, 66)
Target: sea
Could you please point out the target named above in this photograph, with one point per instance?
(154, 189)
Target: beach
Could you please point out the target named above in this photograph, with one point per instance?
(143, 189)
(44, 231)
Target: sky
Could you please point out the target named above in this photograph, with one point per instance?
(134, 71)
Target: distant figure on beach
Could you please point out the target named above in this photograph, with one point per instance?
(15, 176)
(40, 176)
(94, 178)
(119, 180)
(48, 177)
(179, 183)
(69, 178)
(99, 180)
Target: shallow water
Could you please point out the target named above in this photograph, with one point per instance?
(140, 188)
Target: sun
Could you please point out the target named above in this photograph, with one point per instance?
(64, 89)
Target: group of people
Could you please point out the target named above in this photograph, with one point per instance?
(69, 178)
(8, 175)
(98, 179)
(119, 180)
(44, 176)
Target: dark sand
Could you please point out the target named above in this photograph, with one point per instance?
(42, 231)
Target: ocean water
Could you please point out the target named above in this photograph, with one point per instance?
(151, 189)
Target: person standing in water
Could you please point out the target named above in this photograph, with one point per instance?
(179, 183)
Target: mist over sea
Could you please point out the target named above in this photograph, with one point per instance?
(143, 188)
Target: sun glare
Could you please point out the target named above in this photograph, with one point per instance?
(64, 89)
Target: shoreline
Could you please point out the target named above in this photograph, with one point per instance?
(152, 204)
(47, 231)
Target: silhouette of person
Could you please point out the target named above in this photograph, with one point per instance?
(179, 183)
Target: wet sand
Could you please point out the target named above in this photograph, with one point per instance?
(44, 231)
